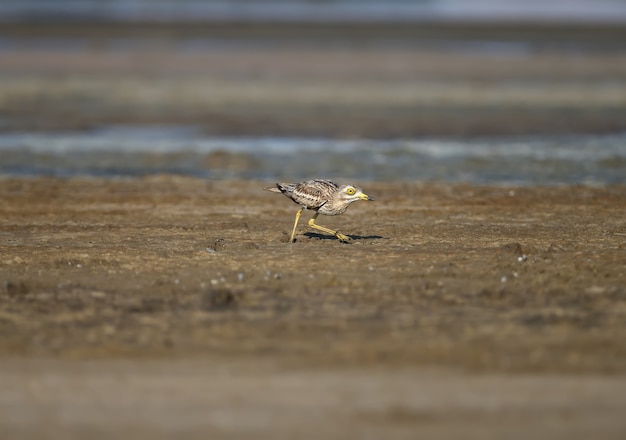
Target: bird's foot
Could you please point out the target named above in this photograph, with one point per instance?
(342, 238)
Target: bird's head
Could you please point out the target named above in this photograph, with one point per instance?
(351, 193)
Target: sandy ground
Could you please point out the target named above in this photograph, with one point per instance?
(213, 399)
(165, 305)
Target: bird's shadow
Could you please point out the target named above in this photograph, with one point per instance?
(332, 237)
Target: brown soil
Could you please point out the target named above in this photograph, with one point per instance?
(502, 287)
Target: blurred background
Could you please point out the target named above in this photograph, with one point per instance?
(483, 91)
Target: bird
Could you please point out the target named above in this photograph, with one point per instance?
(322, 196)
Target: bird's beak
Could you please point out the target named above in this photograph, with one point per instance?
(364, 196)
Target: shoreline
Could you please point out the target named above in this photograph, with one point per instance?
(364, 81)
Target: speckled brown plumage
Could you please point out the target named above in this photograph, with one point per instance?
(323, 196)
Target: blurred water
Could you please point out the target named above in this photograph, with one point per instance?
(136, 151)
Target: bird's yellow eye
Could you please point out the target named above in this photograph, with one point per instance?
(350, 191)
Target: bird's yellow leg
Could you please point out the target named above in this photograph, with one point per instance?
(295, 225)
(337, 234)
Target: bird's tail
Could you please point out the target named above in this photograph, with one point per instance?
(285, 188)
(273, 189)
